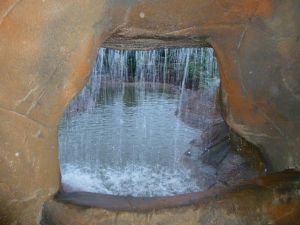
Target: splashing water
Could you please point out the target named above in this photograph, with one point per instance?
(139, 181)
(120, 135)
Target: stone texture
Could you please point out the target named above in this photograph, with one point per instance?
(267, 200)
(47, 49)
(219, 157)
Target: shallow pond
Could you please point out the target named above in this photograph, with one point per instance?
(128, 143)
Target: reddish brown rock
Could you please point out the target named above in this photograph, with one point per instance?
(267, 200)
(47, 49)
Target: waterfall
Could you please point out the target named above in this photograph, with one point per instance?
(165, 66)
(153, 65)
(184, 67)
(185, 74)
(121, 129)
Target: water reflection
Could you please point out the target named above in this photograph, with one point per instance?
(131, 129)
(121, 136)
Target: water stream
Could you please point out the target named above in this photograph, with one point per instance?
(121, 136)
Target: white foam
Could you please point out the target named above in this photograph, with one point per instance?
(138, 181)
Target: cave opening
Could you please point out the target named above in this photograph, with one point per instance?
(148, 124)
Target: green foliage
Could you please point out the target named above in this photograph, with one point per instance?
(131, 65)
(202, 67)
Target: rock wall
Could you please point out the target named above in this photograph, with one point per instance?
(47, 49)
(266, 200)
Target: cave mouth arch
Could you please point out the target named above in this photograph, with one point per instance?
(46, 58)
(82, 195)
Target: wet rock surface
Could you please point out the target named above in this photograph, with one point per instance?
(201, 108)
(216, 158)
(273, 199)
